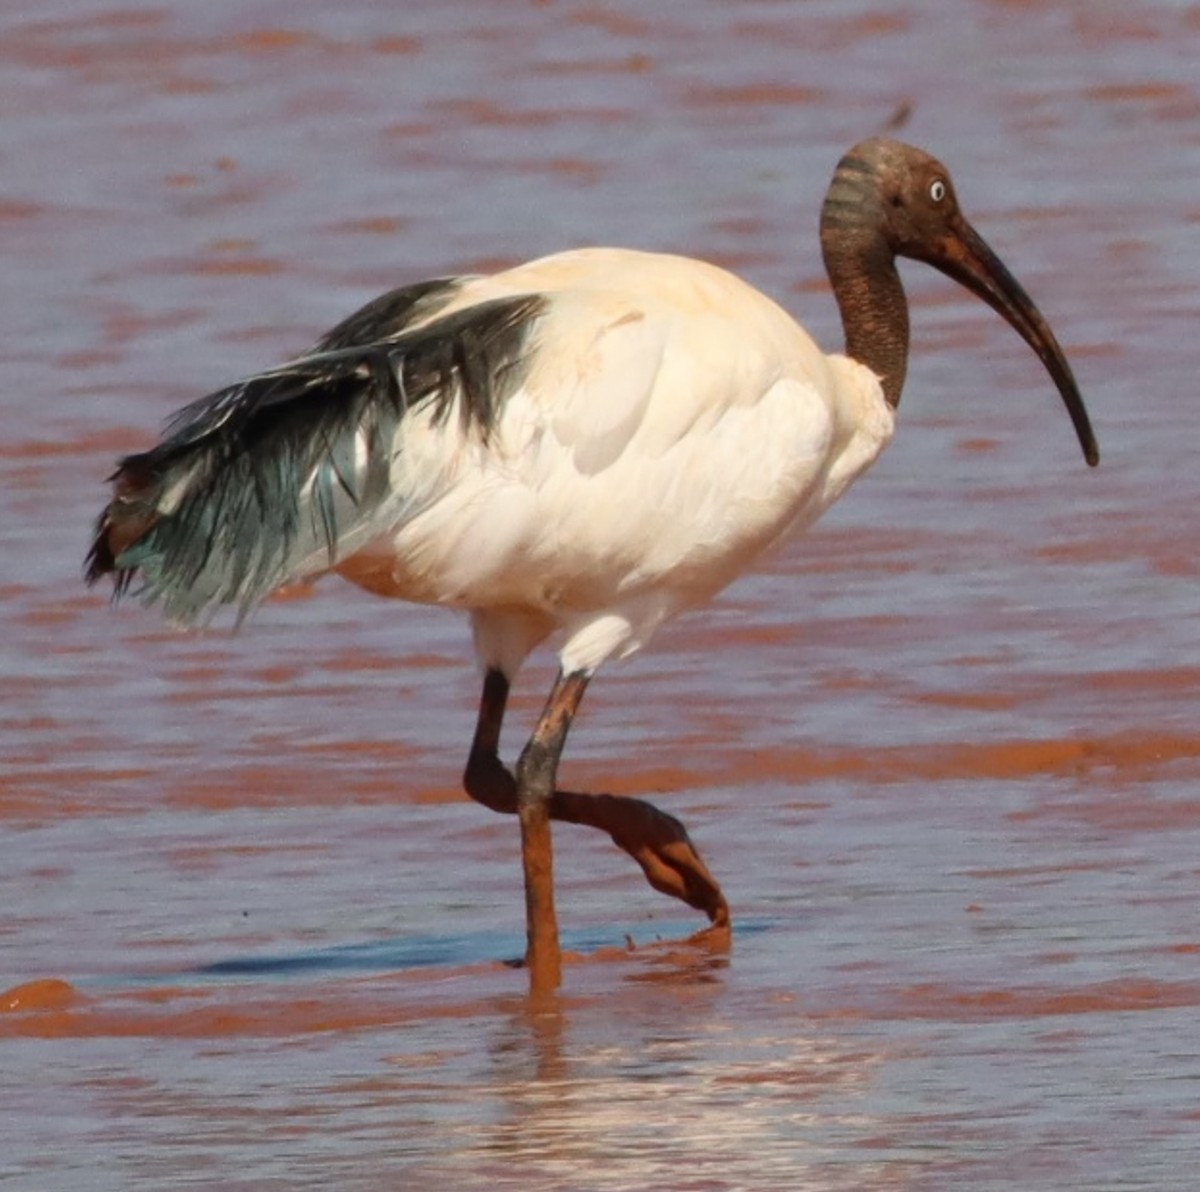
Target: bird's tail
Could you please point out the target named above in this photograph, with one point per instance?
(256, 485)
(285, 474)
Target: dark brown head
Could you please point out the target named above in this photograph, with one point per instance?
(888, 199)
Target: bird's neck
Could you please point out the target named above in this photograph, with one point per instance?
(862, 271)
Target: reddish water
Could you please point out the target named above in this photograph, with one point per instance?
(943, 752)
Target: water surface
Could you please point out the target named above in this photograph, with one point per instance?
(942, 752)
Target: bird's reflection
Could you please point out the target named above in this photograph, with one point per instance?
(561, 1065)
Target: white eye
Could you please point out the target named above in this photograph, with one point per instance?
(937, 190)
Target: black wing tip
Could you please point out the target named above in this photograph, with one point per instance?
(98, 564)
(124, 519)
(100, 561)
(391, 314)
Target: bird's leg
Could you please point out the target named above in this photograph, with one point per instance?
(486, 779)
(658, 842)
(530, 795)
(535, 774)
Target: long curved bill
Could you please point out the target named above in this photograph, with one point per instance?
(967, 258)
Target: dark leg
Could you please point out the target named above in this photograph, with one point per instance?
(657, 841)
(486, 780)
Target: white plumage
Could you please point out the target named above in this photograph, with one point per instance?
(590, 443)
(672, 423)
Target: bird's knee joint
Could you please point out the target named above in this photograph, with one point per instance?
(487, 782)
(535, 774)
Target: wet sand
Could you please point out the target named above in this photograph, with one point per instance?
(942, 752)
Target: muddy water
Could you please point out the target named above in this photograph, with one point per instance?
(943, 752)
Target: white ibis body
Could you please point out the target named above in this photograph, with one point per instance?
(589, 444)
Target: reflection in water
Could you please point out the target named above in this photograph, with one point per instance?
(660, 1078)
(654, 1086)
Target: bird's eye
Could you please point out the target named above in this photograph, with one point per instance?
(937, 190)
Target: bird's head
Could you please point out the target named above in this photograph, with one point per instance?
(889, 200)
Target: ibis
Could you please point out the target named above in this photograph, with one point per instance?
(584, 446)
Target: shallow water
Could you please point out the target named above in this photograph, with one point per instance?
(942, 752)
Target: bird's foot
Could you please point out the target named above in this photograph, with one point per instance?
(658, 842)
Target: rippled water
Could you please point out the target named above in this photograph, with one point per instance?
(942, 752)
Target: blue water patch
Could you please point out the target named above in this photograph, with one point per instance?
(428, 951)
(374, 956)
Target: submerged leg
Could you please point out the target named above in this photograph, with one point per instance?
(658, 842)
